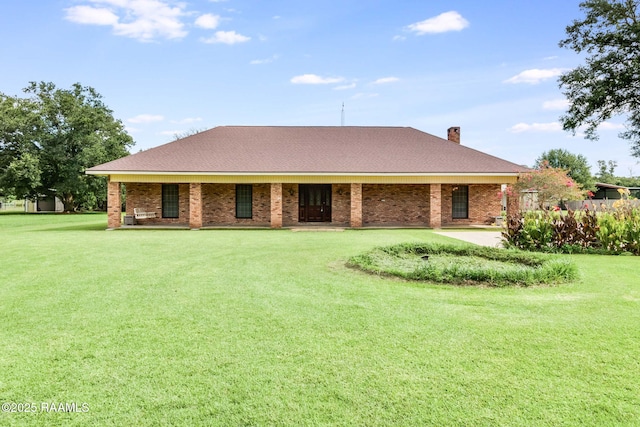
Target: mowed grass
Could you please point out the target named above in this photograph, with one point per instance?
(262, 327)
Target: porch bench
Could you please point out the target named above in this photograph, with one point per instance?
(140, 214)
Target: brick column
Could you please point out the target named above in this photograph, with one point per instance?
(356, 205)
(276, 205)
(114, 203)
(195, 205)
(435, 206)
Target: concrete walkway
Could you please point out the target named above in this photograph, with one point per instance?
(482, 238)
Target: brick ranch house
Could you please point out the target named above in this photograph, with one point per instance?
(272, 176)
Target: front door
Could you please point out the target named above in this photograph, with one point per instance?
(315, 203)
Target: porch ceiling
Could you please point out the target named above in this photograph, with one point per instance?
(318, 179)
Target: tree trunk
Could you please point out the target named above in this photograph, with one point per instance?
(67, 201)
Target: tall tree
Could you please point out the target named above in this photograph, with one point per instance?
(606, 170)
(576, 165)
(608, 84)
(49, 139)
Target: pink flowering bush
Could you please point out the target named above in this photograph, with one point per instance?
(552, 185)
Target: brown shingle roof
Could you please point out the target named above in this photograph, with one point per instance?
(311, 149)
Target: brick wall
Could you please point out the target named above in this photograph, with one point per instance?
(289, 204)
(484, 204)
(355, 219)
(340, 204)
(397, 204)
(392, 205)
(148, 197)
(113, 204)
(219, 205)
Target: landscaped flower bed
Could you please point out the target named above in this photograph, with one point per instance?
(466, 265)
(604, 231)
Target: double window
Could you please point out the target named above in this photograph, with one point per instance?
(170, 201)
(244, 199)
(460, 202)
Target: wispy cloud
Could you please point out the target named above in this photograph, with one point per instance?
(173, 133)
(146, 118)
(226, 37)
(207, 21)
(445, 22)
(143, 20)
(557, 127)
(610, 126)
(364, 95)
(345, 87)
(385, 80)
(313, 79)
(187, 120)
(556, 104)
(91, 15)
(264, 61)
(536, 127)
(535, 76)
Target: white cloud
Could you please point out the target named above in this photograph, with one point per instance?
(146, 118)
(557, 127)
(226, 37)
(172, 133)
(610, 126)
(535, 76)
(91, 15)
(398, 38)
(264, 61)
(556, 104)
(364, 95)
(345, 87)
(386, 80)
(536, 127)
(448, 21)
(144, 20)
(313, 79)
(187, 120)
(207, 21)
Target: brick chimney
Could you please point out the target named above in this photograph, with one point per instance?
(453, 134)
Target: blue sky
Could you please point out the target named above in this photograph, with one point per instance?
(166, 67)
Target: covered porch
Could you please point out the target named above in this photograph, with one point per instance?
(294, 201)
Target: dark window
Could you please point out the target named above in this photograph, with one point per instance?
(244, 198)
(170, 206)
(460, 202)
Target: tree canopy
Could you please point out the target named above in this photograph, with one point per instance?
(551, 185)
(576, 165)
(48, 139)
(608, 84)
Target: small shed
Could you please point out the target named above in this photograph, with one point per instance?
(44, 204)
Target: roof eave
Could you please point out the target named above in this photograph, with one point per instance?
(174, 173)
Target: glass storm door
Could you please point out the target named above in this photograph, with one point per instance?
(315, 203)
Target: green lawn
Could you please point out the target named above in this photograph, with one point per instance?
(262, 327)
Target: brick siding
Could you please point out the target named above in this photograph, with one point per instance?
(397, 204)
(484, 204)
(113, 204)
(148, 197)
(219, 205)
(382, 204)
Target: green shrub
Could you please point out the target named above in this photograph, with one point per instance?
(609, 231)
(466, 265)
